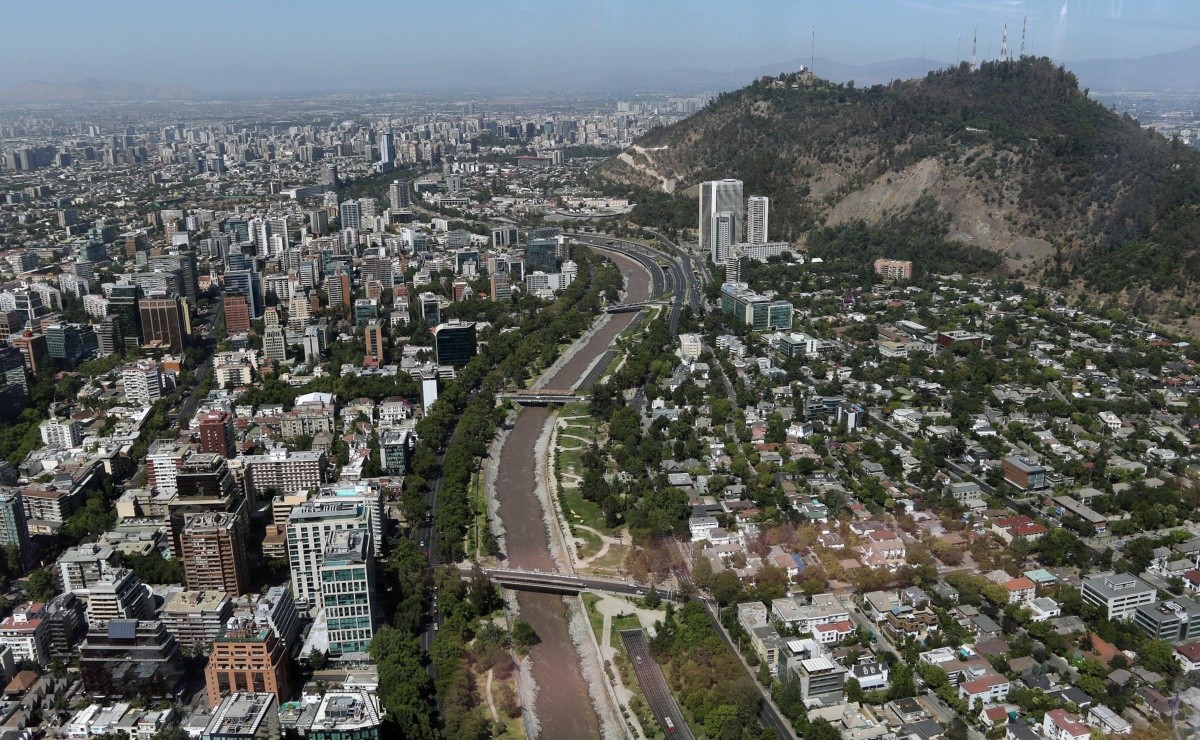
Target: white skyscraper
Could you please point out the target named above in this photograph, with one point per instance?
(724, 228)
(720, 199)
(758, 214)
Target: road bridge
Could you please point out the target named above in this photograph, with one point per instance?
(541, 398)
(538, 580)
(629, 307)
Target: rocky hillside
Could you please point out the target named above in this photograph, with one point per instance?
(1012, 158)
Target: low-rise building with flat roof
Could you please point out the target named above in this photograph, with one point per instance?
(1118, 594)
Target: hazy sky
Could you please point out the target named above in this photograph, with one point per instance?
(262, 45)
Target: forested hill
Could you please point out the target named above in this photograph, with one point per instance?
(1013, 158)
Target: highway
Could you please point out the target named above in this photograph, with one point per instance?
(681, 278)
(664, 707)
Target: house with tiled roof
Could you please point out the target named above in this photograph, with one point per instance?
(832, 633)
(1188, 656)
(987, 689)
(1020, 590)
(1059, 724)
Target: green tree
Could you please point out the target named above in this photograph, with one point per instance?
(41, 585)
(652, 599)
(723, 723)
(524, 636)
(1158, 656)
(726, 587)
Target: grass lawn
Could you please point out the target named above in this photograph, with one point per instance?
(594, 616)
(581, 511)
(479, 523)
(575, 408)
(570, 461)
(514, 727)
(569, 443)
(591, 542)
(613, 561)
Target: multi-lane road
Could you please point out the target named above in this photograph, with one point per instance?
(683, 276)
(658, 696)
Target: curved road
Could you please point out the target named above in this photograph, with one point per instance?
(563, 706)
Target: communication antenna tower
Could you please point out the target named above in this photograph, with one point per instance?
(1024, 23)
(812, 53)
(1004, 44)
(974, 47)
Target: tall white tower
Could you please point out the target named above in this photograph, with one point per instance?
(720, 198)
(758, 211)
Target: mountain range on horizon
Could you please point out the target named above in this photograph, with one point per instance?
(1175, 72)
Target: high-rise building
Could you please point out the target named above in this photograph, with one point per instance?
(351, 215)
(758, 212)
(163, 461)
(12, 368)
(109, 339)
(398, 195)
(204, 484)
(196, 617)
(34, 350)
(143, 382)
(347, 579)
(723, 239)
(61, 433)
(11, 324)
(237, 313)
(284, 470)
(501, 288)
(217, 435)
(275, 343)
(185, 264)
(308, 530)
(165, 320)
(504, 236)
(123, 304)
(247, 657)
(314, 344)
(393, 451)
(431, 308)
(26, 632)
(338, 287)
(119, 594)
(541, 255)
(373, 337)
(14, 529)
(380, 268)
(245, 281)
(737, 268)
(894, 269)
(717, 198)
(214, 552)
(130, 658)
(245, 716)
(81, 566)
(70, 343)
(454, 342)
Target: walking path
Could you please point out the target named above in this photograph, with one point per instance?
(487, 691)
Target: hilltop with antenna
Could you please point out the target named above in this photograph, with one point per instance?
(1011, 163)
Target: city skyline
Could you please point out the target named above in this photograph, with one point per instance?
(269, 47)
